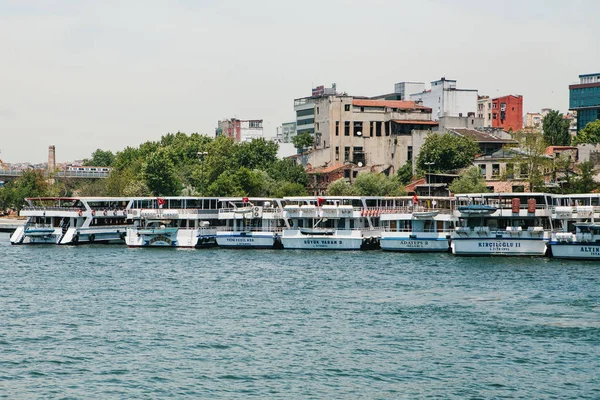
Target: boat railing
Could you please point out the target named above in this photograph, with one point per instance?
(39, 226)
(249, 210)
(249, 229)
(408, 230)
(52, 208)
(510, 230)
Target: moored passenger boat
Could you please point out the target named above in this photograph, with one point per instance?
(331, 223)
(508, 224)
(173, 222)
(73, 220)
(412, 225)
(250, 223)
(577, 223)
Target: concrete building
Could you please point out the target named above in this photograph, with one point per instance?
(484, 110)
(533, 120)
(304, 108)
(405, 89)
(367, 133)
(446, 100)
(286, 132)
(507, 112)
(584, 98)
(241, 130)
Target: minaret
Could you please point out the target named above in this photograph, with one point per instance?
(51, 158)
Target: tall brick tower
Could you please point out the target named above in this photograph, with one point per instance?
(51, 158)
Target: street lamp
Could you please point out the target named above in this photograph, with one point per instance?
(429, 164)
(201, 155)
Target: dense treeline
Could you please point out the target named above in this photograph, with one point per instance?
(178, 164)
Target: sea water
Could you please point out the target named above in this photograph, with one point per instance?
(106, 321)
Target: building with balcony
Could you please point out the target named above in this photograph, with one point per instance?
(584, 98)
(304, 108)
(446, 100)
(241, 130)
(533, 120)
(367, 133)
(286, 132)
(507, 112)
(484, 110)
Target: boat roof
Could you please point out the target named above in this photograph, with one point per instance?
(83, 198)
(249, 199)
(175, 198)
(509, 194)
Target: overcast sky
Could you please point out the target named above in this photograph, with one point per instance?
(107, 74)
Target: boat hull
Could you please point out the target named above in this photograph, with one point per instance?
(576, 251)
(499, 246)
(299, 241)
(404, 243)
(254, 240)
(189, 238)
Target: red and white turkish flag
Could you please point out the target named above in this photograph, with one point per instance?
(161, 202)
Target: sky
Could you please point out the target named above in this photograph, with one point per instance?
(83, 75)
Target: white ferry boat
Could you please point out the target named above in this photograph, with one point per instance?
(331, 223)
(508, 224)
(250, 223)
(173, 222)
(577, 224)
(410, 224)
(73, 220)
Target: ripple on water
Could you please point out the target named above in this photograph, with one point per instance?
(107, 321)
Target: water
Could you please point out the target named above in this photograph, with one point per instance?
(111, 322)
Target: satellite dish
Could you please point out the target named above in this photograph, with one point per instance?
(360, 164)
(359, 133)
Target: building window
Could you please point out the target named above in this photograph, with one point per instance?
(337, 153)
(347, 107)
(371, 128)
(362, 109)
(409, 153)
(346, 153)
(494, 106)
(304, 113)
(489, 116)
(337, 128)
(358, 127)
(495, 170)
(347, 173)
(346, 128)
(482, 168)
(317, 110)
(378, 128)
(306, 121)
(255, 124)
(494, 116)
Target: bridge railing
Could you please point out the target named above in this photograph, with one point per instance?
(60, 174)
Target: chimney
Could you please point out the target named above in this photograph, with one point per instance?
(51, 158)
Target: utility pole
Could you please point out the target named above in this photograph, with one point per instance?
(201, 155)
(429, 164)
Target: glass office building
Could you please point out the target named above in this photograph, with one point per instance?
(584, 98)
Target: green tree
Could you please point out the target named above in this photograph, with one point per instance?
(378, 184)
(284, 189)
(288, 170)
(471, 181)
(531, 159)
(100, 158)
(585, 182)
(341, 188)
(159, 174)
(556, 129)
(303, 141)
(405, 173)
(590, 134)
(447, 152)
(258, 153)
